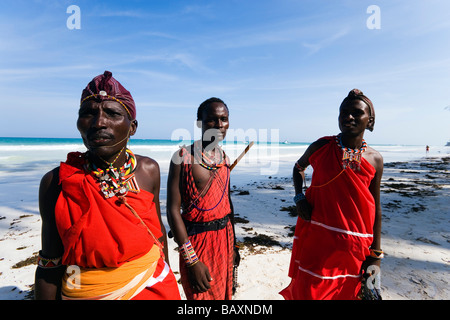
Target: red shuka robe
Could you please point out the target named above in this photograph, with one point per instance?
(329, 250)
(98, 232)
(214, 248)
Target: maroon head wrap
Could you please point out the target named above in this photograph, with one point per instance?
(105, 87)
(357, 94)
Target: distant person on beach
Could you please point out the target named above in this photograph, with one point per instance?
(199, 184)
(337, 237)
(427, 149)
(102, 236)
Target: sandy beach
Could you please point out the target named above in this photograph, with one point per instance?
(415, 234)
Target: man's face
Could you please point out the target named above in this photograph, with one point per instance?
(104, 124)
(354, 117)
(215, 122)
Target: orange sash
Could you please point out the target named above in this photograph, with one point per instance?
(121, 283)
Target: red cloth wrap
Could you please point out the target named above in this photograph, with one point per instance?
(326, 263)
(163, 287)
(98, 232)
(214, 248)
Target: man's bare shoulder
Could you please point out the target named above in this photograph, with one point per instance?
(49, 190)
(147, 174)
(147, 165)
(179, 156)
(374, 153)
(50, 180)
(374, 157)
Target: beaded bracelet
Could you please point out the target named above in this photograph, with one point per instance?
(188, 254)
(299, 197)
(299, 167)
(377, 254)
(48, 262)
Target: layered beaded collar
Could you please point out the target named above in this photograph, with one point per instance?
(351, 157)
(205, 161)
(115, 181)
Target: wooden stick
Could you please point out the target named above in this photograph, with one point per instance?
(241, 155)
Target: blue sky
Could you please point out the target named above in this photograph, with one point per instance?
(278, 64)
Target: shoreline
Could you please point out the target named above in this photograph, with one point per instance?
(415, 199)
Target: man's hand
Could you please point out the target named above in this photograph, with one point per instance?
(199, 277)
(236, 257)
(304, 209)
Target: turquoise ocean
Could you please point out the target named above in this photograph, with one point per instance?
(32, 151)
(25, 160)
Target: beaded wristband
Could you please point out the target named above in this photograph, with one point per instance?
(377, 254)
(188, 254)
(299, 167)
(299, 197)
(48, 262)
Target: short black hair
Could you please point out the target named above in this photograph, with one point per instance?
(205, 104)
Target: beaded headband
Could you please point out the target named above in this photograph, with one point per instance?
(105, 96)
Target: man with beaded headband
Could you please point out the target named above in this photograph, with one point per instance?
(102, 235)
(198, 184)
(336, 244)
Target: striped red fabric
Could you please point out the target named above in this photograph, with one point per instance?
(213, 248)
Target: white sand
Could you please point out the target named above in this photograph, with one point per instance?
(415, 236)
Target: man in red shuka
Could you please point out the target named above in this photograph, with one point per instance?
(102, 236)
(199, 183)
(337, 237)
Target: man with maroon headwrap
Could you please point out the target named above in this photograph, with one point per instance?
(337, 241)
(102, 235)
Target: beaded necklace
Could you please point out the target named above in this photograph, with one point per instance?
(206, 162)
(351, 157)
(116, 181)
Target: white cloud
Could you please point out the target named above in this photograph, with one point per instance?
(323, 43)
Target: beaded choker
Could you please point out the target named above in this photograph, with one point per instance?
(116, 181)
(351, 157)
(206, 162)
